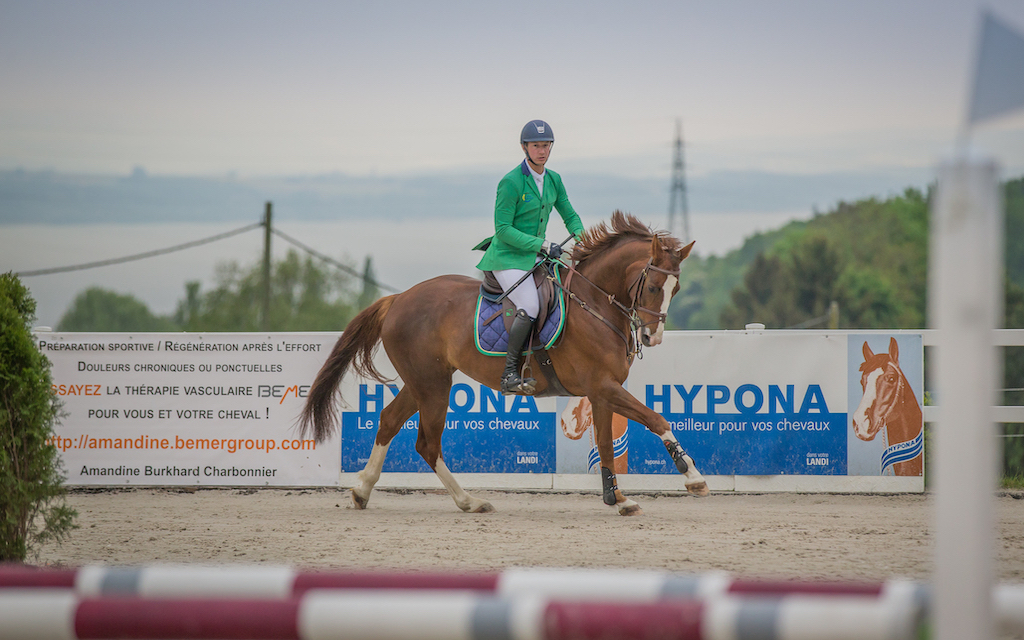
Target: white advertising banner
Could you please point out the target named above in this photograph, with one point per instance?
(219, 409)
(188, 409)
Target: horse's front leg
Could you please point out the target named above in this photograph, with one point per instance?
(605, 448)
(622, 402)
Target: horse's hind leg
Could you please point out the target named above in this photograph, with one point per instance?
(392, 417)
(428, 445)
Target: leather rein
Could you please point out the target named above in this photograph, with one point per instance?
(631, 313)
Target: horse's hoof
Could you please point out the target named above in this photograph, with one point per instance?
(358, 501)
(699, 489)
(630, 508)
(486, 507)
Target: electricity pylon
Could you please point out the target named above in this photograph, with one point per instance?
(677, 201)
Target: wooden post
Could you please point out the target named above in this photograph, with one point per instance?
(965, 300)
(265, 320)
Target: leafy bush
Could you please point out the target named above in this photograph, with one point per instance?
(98, 309)
(32, 506)
(305, 296)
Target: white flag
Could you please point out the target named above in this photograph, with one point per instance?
(999, 76)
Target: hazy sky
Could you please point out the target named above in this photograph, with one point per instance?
(255, 89)
(282, 88)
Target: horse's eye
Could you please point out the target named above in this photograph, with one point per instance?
(652, 288)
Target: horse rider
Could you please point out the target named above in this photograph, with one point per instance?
(525, 198)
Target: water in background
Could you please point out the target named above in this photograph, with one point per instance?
(404, 252)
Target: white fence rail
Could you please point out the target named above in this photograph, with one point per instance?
(1005, 414)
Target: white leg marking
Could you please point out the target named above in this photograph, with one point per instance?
(370, 474)
(626, 506)
(462, 499)
(693, 477)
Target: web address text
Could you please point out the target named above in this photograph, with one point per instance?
(229, 445)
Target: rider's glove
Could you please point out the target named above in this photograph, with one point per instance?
(553, 249)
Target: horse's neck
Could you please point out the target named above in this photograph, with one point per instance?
(904, 422)
(611, 271)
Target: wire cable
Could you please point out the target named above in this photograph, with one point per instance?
(140, 256)
(344, 267)
(196, 243)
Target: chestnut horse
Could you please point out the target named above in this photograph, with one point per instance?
(889, 403)
(427, 333)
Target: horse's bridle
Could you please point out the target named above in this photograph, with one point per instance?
(897, 392)
(632, 312)
(641, 280)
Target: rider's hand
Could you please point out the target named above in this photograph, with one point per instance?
(553, 249)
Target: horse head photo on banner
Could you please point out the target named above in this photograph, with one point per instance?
(577, 420)
(889, 407)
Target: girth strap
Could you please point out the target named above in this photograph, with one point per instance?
(554, 387)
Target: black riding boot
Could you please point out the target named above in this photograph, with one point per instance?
(512, 381)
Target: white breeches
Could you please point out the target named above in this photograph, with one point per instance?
(524, 296)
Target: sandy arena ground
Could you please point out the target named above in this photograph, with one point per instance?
(756, 535)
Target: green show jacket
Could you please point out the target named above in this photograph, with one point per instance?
(521, 219)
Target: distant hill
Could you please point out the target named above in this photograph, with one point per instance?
(46, 197)
(52, 198)
(877, 245)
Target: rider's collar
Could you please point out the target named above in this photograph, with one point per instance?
(528, 170)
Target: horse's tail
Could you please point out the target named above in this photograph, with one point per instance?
(355, 348)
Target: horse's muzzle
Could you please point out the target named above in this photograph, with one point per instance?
(865, 428)
(652, 339)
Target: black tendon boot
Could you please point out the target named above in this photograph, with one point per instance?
(511, 381)
(609, 486)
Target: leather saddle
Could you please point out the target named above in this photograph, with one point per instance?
(491, 291)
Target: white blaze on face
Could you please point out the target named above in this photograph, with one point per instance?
(861, 423)
(670, 286)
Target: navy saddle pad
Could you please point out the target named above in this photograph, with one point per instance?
(492, 337)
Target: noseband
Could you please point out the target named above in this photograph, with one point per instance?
(641, 280)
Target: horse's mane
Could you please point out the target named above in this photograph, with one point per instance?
(624, 226)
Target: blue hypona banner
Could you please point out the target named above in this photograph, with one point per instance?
(741, 403)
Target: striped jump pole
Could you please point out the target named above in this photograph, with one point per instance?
(743, 602)
(190, 581)
(44, 614)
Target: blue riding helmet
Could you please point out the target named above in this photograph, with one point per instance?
(536, 131)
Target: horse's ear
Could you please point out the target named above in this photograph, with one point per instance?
(685, 251)
(656, 249)
(867, 351)
(894, 350)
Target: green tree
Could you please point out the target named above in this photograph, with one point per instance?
(304, 296)
(760, 298)
(785, 291)
(98, 309)
(370, 289)
(875, 247)
(866, 299)
(32, 496)
(870, 257)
